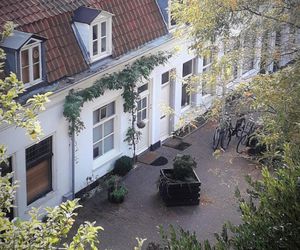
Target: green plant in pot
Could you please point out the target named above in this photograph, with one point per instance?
(116, 192)
(183, 167)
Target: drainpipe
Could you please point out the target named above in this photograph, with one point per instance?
(73, 161)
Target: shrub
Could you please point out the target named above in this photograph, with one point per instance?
(123, 165)
(183, 166)
(118, 194)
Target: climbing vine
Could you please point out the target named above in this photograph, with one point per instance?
(126, 78)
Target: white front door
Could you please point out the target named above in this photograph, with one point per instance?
(164, 106)
(164, 114)
(143, 117)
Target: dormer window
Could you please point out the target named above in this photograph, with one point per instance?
(99, 39)
(24, 57)
(30, 62)
(93, 30)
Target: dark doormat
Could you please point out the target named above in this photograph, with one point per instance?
(148, 157)
(182, 146)
(160, 161)
(177, 144)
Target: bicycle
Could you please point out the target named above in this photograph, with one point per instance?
(247, 137)
(225, 131)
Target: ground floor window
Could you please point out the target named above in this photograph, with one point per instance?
(104, 130)
(39, 170)
(6, 168)
(185, 96)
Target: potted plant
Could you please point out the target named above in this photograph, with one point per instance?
(116, 192)
(180, 185)
(123, 165)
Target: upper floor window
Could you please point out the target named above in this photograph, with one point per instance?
(24, 56)
(31, 66)
(93, 29)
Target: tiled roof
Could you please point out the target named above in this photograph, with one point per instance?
(135, 23)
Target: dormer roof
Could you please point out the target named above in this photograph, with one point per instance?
(18, 39)
(85, 15)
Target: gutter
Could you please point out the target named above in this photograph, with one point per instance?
(73, 163)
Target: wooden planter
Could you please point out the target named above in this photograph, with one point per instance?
(176, 192)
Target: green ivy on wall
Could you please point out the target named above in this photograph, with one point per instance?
(126, 78)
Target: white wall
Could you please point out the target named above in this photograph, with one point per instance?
(53, 124)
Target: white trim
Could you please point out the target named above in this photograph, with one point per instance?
(98, 21)
(30, 62)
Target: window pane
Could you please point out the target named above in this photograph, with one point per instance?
(96, 116)
(110, 109)
(144, 102)
(95, 32)
(108, 143)
(185, 97)
(103, 112)
(165, 77)
(143, 88)
(103, 29)
(25, 75)
(38, 180)
(103, 44)
(25, 58)
(97, 133)
(36, 71)
(144, 114)
(95, 48)
(97, 149)
(35, 54)
(139, 105)
(108, 127)
(187, 68)
(139, 116)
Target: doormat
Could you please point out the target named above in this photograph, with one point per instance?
(182, 146)
(177, 144)
(148, 157)
(160, 161)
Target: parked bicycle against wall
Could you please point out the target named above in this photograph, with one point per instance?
(225, 131)
(247, 137)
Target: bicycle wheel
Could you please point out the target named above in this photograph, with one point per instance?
(225, 138)
(242, 144)
(216, 139)
(239, 127)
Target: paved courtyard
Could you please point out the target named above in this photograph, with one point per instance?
(143, 209)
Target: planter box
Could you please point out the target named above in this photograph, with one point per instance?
(176, 192)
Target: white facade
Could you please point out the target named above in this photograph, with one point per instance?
(158, 127)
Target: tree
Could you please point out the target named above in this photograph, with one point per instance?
(33, 234)
(270, 213)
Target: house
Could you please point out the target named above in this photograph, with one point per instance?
(65, 45)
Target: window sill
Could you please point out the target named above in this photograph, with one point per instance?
(41, 201)
(31, 84)
(104, 159)
(185, 108)
(102, 56)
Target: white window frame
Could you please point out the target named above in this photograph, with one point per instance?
(30, 47)
(183, 108)
(98, 21)
(206, 68)
(142, 109)
(102, 122)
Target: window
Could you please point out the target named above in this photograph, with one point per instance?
(187, 69)
(142, 109)
(207, 62)
(39, 170)
(143, 88)
(165, 78)
(6, 168)
(103, 132)
(31, 68)
(101, 39)
(249, 52)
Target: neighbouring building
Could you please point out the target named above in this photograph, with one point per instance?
(62, 45)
